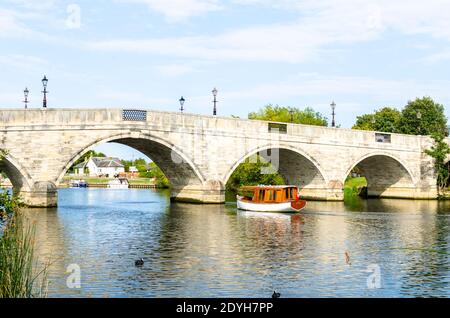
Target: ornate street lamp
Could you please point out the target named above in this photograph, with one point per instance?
(333, 107)
(182, 100)
(25, 94)
(214, 92)
(419, 117)
(44, 83)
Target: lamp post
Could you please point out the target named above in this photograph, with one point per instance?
(44, 83)
(25, 94)
(333, 107)
(214, 92)
(291, 112)
(182, 100)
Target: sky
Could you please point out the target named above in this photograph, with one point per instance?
(148, 53)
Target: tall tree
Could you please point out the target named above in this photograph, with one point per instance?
(295, 115)
(423, 116)
(385, 119)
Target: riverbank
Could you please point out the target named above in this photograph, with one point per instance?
(354, 186)
(96, 182)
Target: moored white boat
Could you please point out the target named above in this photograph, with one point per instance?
(270, 199)
(120, 183)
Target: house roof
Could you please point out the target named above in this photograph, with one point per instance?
(104, 162)
(81, 165)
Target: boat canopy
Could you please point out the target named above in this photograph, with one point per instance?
(269, 194)
(266, 187)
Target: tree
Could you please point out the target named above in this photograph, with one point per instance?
(289, 114)
(249, 173)
(364, 122)
(385, 119)
(156, 172)
(423, 116)
(439, 152)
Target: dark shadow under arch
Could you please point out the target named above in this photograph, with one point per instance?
(296, 167)
(178, 168)
(385, 175)
(17, 174)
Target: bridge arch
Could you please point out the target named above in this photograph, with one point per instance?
(295, 165)
(386, 175)
(176, 165)
(17, 174)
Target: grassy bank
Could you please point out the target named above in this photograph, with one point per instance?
(352, 184)
(95, 180)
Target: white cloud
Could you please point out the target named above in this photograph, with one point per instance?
(21, 18)
(175, 70)
(180, 10)
(295, 42)
(10, 24)
(438, 57)
(25, 62)
(330, 87)
(319, 26)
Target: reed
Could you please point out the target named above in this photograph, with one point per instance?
(19, 277)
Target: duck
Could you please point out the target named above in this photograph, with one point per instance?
(139, 262)
(276, 295)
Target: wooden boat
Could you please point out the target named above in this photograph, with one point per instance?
(270, 199)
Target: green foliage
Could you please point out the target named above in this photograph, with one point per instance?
(352, 186)
(8, 204)
(289, 114)
(249, 173)
(140, 164)
(385, 119)
(423, 116)
(364, 122)
(18, 277)
(156, 172)
(439, 152)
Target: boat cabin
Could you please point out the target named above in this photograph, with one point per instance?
(269, 194)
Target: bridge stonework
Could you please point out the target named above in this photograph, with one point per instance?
(198, 153)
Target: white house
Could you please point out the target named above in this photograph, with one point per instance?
(100, 166)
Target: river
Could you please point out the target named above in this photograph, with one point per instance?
(395, 248)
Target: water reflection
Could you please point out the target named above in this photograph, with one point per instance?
(216, 251)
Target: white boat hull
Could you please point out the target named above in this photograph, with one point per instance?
(266, 207)
(118, 186)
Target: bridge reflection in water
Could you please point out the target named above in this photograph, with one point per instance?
(216, 251)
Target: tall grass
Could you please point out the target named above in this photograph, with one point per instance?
(18, 275)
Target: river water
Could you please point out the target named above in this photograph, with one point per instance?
(395, 248)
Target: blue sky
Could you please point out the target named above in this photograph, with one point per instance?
(147, 53)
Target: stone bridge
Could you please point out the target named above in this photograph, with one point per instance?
(199, 153)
